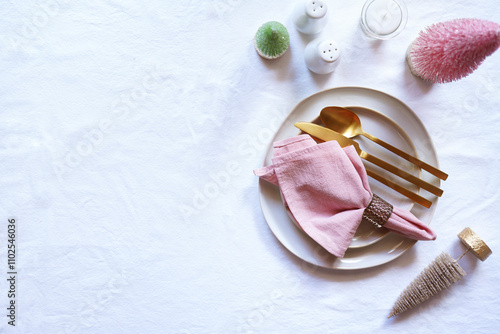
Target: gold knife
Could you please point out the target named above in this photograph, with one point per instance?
(327, 134)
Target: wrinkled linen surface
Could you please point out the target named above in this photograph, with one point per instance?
(129, 132)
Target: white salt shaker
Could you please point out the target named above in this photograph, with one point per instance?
(310, 16)
(322, 56)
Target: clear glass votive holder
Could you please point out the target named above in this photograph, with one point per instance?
(383, 19)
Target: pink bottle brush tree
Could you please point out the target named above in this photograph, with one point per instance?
(448, 51)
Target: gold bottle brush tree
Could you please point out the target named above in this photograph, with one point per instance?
(440, 274)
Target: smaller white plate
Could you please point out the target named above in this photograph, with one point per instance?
(367, 233)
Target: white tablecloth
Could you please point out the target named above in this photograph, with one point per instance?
(129, 131)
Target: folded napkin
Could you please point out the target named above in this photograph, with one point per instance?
(326, 190)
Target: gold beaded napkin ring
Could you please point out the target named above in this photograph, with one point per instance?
(378, 211)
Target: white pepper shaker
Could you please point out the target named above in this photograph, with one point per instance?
(322, 56)
(310, 16)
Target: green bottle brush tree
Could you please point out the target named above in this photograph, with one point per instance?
(272, 40)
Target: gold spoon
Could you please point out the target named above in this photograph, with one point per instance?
(348, 123)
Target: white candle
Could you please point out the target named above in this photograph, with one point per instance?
(383, 16)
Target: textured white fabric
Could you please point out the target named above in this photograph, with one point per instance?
(129, 132)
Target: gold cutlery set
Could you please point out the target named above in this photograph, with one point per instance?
(341, 124)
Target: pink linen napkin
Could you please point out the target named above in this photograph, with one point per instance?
(326, 189)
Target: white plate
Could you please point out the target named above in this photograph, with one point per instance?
(384, 125)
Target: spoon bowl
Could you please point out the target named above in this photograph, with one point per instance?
(341, 120)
